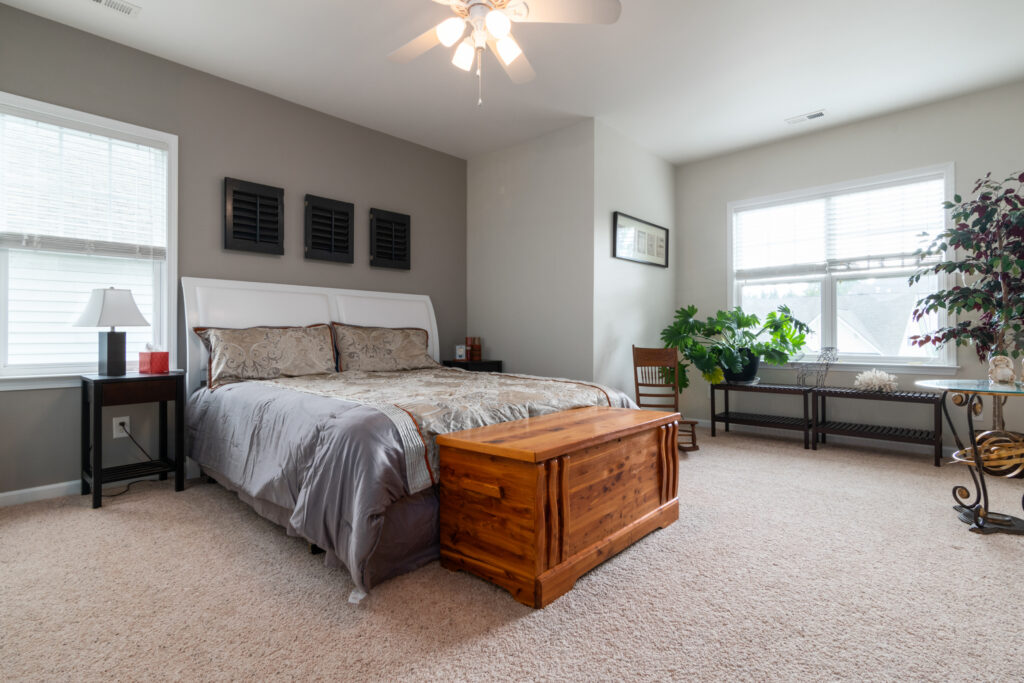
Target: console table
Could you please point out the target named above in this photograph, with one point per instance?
(815, 425)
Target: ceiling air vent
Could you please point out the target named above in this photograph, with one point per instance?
(328, 229)
(253, 217)
(389, 239)
(120, 6)
(806, 117)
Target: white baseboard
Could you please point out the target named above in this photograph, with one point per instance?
(921, 448)
(66, 488)
(70, 488)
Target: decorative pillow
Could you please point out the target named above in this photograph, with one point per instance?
(266, 352)
(381, 349)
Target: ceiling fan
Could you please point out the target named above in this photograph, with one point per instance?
(489, 26)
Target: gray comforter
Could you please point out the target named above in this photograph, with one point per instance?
(328, 457)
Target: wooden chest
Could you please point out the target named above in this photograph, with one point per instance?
(534, 504)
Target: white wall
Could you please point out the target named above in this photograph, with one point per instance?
(978, 132)
(633, 302)
(530, 246)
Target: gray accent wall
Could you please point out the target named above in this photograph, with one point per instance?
(225, 129)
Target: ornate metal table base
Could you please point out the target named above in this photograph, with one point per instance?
(990, 522)
(996, 453)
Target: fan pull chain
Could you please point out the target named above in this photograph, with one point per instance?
(479, 77)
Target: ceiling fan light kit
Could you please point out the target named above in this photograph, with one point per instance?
(464, 55)
(450, 30)
(490, 25)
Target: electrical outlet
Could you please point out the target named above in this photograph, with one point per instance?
(120, 433)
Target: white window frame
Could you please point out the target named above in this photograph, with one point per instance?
(945, 363)
(165, 306)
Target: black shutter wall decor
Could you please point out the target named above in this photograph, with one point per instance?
(328, 229)
(253, 217)
(389, 239)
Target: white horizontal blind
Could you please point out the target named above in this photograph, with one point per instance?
(782, 235)
(63, 189)
(895, 220)
(78, 210)
(880, 227)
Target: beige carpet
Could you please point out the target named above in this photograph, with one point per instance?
(786, 565)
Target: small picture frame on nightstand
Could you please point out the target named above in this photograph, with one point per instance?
(460, 352)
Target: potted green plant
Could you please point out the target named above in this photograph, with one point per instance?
(732, 344)
(983, 248)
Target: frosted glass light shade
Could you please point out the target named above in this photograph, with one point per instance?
(450, 30)
(498, 24)
(109, 308)
(464, 55)
(509, 50)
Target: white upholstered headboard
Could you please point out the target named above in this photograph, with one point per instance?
(234, 303)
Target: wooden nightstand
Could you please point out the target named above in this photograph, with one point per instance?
(474, 365)
(100, 391)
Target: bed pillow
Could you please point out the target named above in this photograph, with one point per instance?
(266, 352)
(381, 349)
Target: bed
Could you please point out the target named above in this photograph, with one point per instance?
(347, 460)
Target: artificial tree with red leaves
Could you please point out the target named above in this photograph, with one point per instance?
(983, 249)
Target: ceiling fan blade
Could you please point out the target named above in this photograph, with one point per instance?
(519, 70)
(417, 46)
(565, 11)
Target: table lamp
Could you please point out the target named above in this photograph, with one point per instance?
(107, 308)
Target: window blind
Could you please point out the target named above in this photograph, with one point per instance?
(78, 210)
(886, 221)
(68, 190)
(879, 227)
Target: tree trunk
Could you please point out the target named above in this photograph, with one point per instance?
(997, 413)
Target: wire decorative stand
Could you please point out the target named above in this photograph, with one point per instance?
(818, 369)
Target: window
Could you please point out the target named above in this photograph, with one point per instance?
(840, 257)
(85, 202)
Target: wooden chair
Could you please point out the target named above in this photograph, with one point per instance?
(659, 392)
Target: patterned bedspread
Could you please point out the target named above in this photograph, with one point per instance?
(424, 403)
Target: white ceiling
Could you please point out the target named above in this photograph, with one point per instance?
(683, 78)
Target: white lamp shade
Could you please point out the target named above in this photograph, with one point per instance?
(111, 307)
(464, 55)
(450, 30)
(498, 24)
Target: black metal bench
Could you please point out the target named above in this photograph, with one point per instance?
(816, 426)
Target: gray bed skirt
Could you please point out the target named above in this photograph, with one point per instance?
(409, 537)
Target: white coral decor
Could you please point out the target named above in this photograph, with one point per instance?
(875, 380)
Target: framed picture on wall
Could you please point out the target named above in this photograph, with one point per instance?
(640, 241)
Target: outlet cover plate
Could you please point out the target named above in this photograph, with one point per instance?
(118, 432)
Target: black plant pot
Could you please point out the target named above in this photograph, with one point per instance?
(748, 373)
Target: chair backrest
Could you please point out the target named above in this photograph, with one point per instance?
(649, 375)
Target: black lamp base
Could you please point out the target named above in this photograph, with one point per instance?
(112, 353)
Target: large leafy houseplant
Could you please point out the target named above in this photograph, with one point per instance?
(983, 248)
(729, 339)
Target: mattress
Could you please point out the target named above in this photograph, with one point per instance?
(348, 460)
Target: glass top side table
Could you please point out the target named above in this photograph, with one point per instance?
(996, 452)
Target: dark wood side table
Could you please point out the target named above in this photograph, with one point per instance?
(100, 391)
(474, 365)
